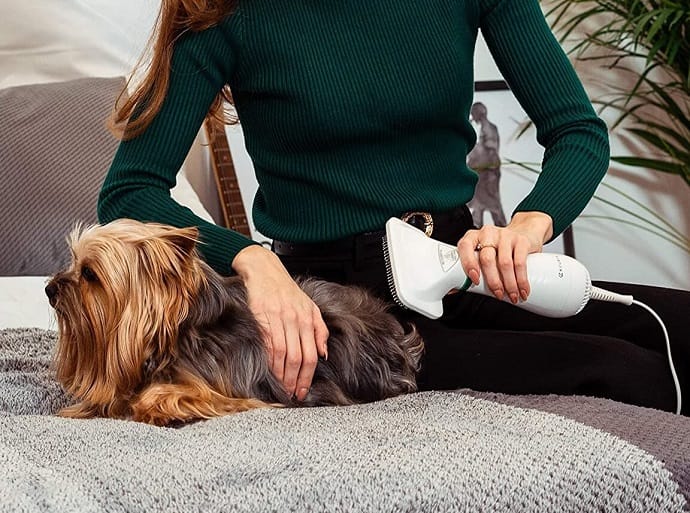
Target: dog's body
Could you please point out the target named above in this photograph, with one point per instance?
(148, 331)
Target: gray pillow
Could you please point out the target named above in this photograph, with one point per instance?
(55, 150)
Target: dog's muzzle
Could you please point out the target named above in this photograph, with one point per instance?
(51, 291)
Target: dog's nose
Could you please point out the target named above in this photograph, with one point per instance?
(51, 291)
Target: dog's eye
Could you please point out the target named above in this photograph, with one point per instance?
(88, 274)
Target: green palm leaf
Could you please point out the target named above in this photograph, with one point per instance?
(656, 33)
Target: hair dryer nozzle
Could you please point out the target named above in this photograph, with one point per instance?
(421, 271)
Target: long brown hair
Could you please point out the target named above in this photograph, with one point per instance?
(174, 19)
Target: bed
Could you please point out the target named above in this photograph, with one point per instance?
(427, 452)
(433, 451)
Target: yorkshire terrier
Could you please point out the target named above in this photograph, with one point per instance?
(148, 331)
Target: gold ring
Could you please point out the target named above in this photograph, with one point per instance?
(481, 246)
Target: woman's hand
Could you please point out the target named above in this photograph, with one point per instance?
(294, 331)
(500, 254)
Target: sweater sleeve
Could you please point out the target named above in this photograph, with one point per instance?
(545, 83)
(144, 168)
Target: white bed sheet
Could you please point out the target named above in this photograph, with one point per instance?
(23, 303)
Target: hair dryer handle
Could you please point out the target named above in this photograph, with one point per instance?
(560, 286)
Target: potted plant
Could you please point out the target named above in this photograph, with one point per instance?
(649, 41)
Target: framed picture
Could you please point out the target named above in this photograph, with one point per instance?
(505, 140)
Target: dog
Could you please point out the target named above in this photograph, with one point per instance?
(147, 331)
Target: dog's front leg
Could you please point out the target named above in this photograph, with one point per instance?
(164, 403)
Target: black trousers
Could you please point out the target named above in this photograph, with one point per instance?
(607, 350)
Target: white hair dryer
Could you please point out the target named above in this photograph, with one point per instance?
(421, 271)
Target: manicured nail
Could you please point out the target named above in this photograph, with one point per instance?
(514, 298)
(498, 293)
(474, 276)
(523, 294)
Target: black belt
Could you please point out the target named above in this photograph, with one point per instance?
(446, 226)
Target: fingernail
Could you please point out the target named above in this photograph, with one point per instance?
(523, 294)
(302, 393)
(498, 293)
(514, 298)
(474, 276)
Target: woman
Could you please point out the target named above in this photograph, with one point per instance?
(354, 112)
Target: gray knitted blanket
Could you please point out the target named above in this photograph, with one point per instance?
(435, 452)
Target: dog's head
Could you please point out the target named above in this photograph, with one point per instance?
(119, 305)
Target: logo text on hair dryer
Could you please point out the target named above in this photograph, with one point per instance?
(560, 267)
(447, 257)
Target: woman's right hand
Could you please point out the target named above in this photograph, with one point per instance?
(294, 331)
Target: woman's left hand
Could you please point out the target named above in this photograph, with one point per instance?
(499, 254)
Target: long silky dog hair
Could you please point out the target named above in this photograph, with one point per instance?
(149, 332)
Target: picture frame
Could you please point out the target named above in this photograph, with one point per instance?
(505, 140)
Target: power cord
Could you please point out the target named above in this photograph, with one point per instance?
(612, 297)
(668, 352)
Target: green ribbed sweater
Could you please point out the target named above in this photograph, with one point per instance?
(355, 111)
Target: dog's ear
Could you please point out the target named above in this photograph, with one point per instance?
(78, 229)
(184, 239)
